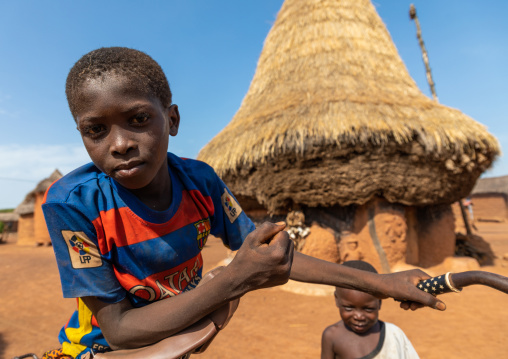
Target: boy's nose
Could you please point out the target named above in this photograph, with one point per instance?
(121, 141)
(358, 315)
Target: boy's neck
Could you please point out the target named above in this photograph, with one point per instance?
(157, 202)
(156, 196)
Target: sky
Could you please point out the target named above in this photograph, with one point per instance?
(209, 52)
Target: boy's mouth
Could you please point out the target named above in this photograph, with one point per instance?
(127, 169)
(358, 328)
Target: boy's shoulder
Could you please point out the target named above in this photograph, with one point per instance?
(194, 170)
(84, 179)
(190, 166)
(335, 330)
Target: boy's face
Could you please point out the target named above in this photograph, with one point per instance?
(358, 310)
(125, 131)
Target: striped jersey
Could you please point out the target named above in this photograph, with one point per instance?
(108, 244)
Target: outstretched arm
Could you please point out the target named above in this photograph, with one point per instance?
(264, 260)
(401, 285)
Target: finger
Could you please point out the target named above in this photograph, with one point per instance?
(266, 232)
(428, 300)
(282, 248)
(404, 305)
(422, 276)
(415, 305)
(290, 250)
(283, 245)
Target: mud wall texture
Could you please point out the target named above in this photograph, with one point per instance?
(32, 229)
(41, 234)
(26, 230)
(489, 207)
(381, 233)
(436, 234)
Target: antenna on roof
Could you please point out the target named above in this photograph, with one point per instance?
(425, 56)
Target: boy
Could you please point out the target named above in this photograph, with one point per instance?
(360, 334)
(128, 228)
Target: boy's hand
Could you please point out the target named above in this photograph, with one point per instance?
(264, 259)
(402, 286)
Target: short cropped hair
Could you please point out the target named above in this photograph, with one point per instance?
(361, 265)
(136, 66)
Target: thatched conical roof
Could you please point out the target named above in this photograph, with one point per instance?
(332, 116)
(27, 206)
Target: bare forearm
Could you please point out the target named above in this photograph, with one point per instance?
(313, 270)
(147, 325)
(126, 327)
(400, 285)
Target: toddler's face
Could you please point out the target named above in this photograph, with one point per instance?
(358, 310)
(125, 131)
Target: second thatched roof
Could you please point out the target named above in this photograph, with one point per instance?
(492, 185)
(27, 206)
(333, 117)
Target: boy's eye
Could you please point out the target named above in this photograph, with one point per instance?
(140, 118)
(93, 130)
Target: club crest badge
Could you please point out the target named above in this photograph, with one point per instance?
(82, 251)
(231, 206)
(203, 228)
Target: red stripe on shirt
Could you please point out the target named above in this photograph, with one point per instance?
(164, 284)
(123, 231)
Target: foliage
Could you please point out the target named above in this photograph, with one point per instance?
(2, 224)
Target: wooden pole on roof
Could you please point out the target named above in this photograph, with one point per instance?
(425, 56)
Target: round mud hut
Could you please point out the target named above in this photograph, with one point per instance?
(490, 199)
(336, 135)
(32, 228)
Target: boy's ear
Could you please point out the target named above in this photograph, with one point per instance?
(336, 297)
(174, 119)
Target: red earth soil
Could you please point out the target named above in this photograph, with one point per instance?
(269, 323)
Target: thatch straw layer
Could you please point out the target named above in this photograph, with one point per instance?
(27, 206)
(329, 76)
(493, 185)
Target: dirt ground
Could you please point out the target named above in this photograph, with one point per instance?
(271, 323)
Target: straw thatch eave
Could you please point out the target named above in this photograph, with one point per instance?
(43, 185)
(329, 76)
(492, 185)
(27, 206)
(9, 217)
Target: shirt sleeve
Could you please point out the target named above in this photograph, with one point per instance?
(231, 224)
(84, 270)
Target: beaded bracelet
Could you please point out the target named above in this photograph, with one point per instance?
(438, 285)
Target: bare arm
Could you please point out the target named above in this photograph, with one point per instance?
(264, 260)
(401, 285)
(327, 344)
